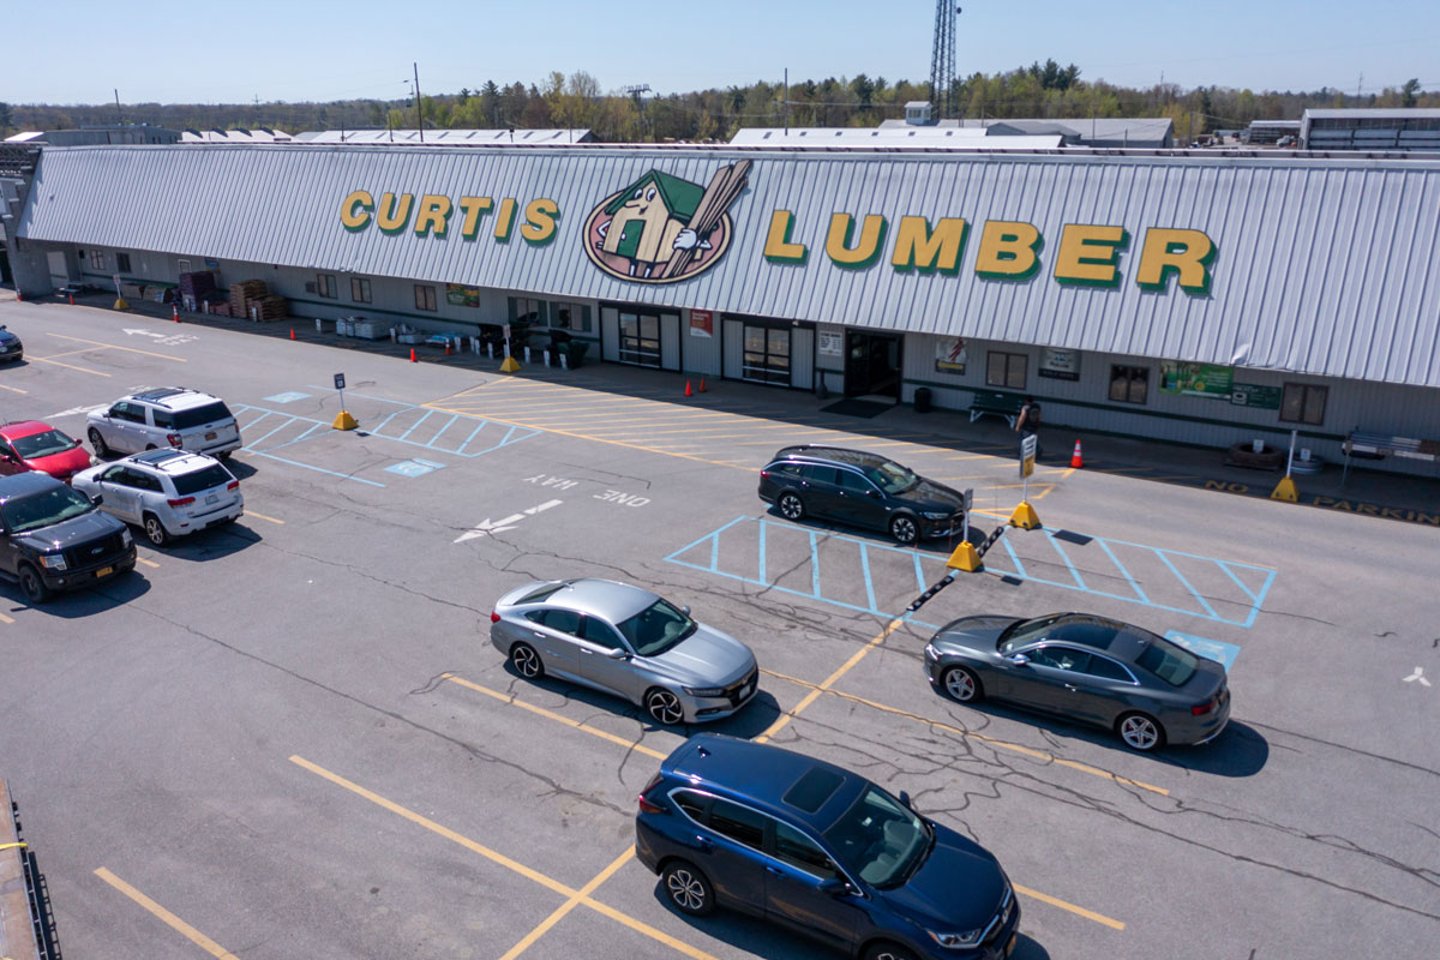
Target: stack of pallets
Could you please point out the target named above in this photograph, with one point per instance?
(266, 308)
(242, 293)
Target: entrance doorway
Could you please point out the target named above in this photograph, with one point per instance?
(872, 364)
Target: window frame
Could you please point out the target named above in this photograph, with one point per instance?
(1009, 359)
(97, 259)
(425, 298)
(766, 370)
(1306, 391)
(360, 291)
(579, 322)
(1132, 374)
(122, 263)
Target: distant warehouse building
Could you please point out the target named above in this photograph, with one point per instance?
(1201, 299)
(1406, 129)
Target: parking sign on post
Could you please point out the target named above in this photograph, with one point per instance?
(339, 381)
(965, 517)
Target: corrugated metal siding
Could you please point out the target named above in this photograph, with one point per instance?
(802, 358)
(1324, 266)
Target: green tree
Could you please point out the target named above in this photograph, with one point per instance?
(1409, 93)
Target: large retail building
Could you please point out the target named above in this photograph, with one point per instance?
(1205, 298)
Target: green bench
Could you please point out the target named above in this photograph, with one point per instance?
(1003, 405)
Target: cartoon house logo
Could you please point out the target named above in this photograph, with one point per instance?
(661, 229)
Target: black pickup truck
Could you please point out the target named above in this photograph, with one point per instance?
(54, 538)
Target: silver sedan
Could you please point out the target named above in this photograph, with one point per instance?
(627, 641)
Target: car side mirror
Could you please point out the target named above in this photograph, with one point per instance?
(905, 799)
(96, 499)
(615, 653)
(1020, 660)
(834, 887)
(873, 494)
(685, 610)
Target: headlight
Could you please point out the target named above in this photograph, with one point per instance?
(957, 941)
(931, 515)
(125, 538)
(53, 562)
(704, 691)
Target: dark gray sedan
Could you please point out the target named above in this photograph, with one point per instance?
(627, 641)
(1085, 668)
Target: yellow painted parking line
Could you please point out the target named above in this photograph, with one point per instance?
(14, 390)
(784, 719)
(1099, 918)
(69, 366)
(174, 922)
(6, 619)
(261, 516)
(1066, 474)
(972, 735)
(527, 941)
(494, 856)
(116, 346)
(149, 563)
(557, 717)
(582, 436)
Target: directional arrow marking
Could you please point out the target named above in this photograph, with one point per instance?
(488, 526)
(130, 331)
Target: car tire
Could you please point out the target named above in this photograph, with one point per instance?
(687, 888)
(905, 529)
(102, 449)
(664, 707)
(224, 455)
(155, 531)
(149, 446)
(527, 662)
(1141, 732)
(791, 506)
(885, 950)
(32, 585)
(962, 685)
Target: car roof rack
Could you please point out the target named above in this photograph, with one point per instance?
(158, 456)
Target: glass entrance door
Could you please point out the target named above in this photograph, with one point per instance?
(640, 339)
(767, 355)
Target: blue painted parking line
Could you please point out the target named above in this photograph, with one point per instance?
(311, 466)
(441, 442)
(1218, 650)
(1177, 581)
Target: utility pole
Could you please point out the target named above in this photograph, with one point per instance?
(786, 107)
(419, 110)
(119, 117)
(942, 59)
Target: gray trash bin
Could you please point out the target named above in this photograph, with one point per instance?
(923, 396)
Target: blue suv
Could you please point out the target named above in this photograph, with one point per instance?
(822, 851)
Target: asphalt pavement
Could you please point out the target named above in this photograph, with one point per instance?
(293, 738)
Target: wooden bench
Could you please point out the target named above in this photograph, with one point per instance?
(1377, 446)
(1003, 405)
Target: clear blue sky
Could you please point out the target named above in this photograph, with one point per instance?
(171, 52)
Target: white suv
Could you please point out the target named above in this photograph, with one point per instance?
(167, 492)
(165, 417)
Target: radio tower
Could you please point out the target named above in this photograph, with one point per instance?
(942, 60)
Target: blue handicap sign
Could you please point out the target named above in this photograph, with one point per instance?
(1218, 650)
(411, 468)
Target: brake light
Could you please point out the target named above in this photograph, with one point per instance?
(494, 617)
(233, 485)
(175, 439)
(182, 502)
(764, 474)
(1200, 709)
(648, 806)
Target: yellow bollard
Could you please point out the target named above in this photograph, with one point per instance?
(965, 558)
(1286, 490)
(1025, 517)
(343, 421)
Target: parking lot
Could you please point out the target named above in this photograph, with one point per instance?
(293, 738)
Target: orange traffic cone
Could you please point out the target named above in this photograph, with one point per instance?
(1076, 460)
(412, 356)
(688, 391)
(448, 350)
(292, 330)
(175, 314)
(72, 299)
(19, 296)
(702, 384)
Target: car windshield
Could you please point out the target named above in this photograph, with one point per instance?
(880, 840)
(42, 509)
(1025, 631)
(212, 476)
(199, 416)
(656, 629)
(43, 444)
(891, 477)
(1171, 663)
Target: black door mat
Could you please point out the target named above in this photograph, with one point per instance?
(858, 408)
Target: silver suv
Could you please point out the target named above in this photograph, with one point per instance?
(165, 417)
(168, 493)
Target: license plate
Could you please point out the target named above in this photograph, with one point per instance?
(211, 435)
(104, 572)
(213, 498)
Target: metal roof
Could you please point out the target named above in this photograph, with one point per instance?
(451, 138)
(1134, 131)
(1324, 266)
(932, 138)
(1376, 113)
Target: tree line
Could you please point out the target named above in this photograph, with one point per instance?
(578, 101)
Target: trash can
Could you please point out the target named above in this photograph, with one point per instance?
(923, 397)
(575, 353)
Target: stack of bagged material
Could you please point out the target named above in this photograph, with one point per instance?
(266, 308)
(242, 293)
(197, 284)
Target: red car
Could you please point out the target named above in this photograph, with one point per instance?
(32, 445)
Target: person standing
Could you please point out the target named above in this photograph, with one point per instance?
(1027, 422)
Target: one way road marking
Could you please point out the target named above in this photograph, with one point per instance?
(488, 526)
(132, 332)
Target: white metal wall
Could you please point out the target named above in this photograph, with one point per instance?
(802, 358)
(734, 348)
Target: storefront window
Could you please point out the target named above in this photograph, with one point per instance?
(527, 310)
(1304, 403)
(1129, 384)
(569, 316)
(640, 339)
(767, 354)
(424, 297)
(1005, 369)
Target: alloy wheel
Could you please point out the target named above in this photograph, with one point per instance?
(687, 889)
(791, 507)
(904, 530)
(665, 707)
(527, 661)
(32, 586)
(1140, 732)
(102, 449)
(155, 530)
(961, 684)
